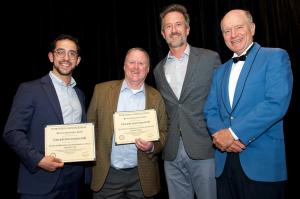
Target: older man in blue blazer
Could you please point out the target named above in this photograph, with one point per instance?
(53, 99)
(248, 99)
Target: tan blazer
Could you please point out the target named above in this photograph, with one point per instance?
(103, 104)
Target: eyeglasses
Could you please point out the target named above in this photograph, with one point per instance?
(61, 53)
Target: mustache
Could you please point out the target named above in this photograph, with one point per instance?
(175, 34)
(65, 62)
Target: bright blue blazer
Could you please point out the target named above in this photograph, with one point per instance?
(261, 99)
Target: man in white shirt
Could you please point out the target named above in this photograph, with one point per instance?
(248, 99)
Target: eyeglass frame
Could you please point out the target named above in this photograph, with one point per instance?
(61, 53)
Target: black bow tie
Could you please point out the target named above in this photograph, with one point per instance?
(240, 58)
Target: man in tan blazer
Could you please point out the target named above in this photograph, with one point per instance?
(129, 170)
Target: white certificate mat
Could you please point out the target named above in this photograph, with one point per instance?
(71, 142)
(135, 124)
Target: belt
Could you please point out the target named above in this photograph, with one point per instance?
(124, 169)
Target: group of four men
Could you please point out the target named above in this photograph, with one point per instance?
(220, 126)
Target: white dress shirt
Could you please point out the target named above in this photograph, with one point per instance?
(236, 69)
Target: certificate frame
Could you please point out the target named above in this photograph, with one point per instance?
(71, 142)
(129, 125)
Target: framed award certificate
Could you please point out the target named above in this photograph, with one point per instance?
(131, 125)
(71, 142)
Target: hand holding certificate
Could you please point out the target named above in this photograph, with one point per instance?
(70, 142)
(135, 124)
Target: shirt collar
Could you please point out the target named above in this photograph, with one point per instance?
(185, 53)
(61, 82)
(125, 87)
(245, 51)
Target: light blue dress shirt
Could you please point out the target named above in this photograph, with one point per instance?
(175, 70)
(68, 100)
(125, 156)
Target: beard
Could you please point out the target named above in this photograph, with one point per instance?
(63, 72)
(178, 42)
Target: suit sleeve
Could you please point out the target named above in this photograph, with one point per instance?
(162, 125)
(212, 109)
(92, 109)
(277, 95)
(17, 127)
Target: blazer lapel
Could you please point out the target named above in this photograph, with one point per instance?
(164, 83)
(148, 100)
(224, 87)
(113, 98)
(52, 96)
(189, 74)
(244, 74)
(112, 102)
(82, 102)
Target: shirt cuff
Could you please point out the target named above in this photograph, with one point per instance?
(233, 134)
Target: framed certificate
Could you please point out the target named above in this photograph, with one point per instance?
(71, 142)
(135, 124)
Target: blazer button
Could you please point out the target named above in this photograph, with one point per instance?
(179, 129)
(231, 117)
(251, 140)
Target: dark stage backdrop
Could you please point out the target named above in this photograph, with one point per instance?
(106, 30)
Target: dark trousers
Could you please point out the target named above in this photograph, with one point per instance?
(121, 184)
(67, 187)
(234, 184)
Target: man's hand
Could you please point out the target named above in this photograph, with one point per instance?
(143, 145)
(223, 139)
(236, 147)
(50, 163)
